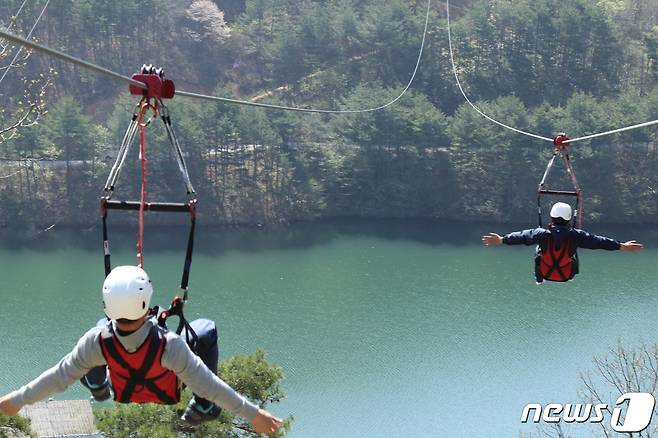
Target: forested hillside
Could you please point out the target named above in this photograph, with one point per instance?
(545, 66)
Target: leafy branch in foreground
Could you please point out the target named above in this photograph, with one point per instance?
(14, 426)
(250, 375)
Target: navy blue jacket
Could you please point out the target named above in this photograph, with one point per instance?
(559, 234)
(579, 238)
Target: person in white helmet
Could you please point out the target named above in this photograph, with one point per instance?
(145, 362)
(556, 258)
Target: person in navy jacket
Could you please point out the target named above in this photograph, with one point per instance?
(556, 257)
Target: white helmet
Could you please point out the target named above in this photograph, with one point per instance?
(561, 210)
(127, 293)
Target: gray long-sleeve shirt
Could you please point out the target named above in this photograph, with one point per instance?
(176, 357)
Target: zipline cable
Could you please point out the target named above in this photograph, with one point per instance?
(454, 70)
(614, 131)
(587, 137)
(29, 35)
(93, 67)
(312, 110)
(68, 58)
(15, 16)
(88, 65)
(11, 64)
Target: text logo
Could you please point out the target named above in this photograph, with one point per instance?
(637, 417)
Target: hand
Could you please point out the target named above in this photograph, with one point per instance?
(266, 422)
(7, 407)
(631, 246)
(492, 239)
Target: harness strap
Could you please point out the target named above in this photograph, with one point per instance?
(142, 197)
(144, 107)
(190, 207)
(178, 152)
(555, 261)
(106, 243)
(190, 249)
(128, 139)
(561, 143)
(578, 217)
(191, 338)
(176, 309)
(541, 186)
(137, 123)
(138, 376)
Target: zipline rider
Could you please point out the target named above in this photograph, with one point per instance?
(146, 362)
(556, 258)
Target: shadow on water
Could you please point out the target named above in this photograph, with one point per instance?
(214, 240)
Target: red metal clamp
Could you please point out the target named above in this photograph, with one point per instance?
(156, 84)
(561, 141)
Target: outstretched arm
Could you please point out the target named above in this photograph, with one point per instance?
(525, 237)
(593, 241)
(195, 374)
(85, 355)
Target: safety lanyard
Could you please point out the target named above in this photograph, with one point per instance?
(561, 142)
(155, 108)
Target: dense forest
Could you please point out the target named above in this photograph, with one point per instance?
(545, 66)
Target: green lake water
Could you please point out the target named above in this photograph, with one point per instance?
(387, 330)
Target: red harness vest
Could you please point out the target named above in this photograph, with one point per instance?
(139, 377)
(556, 264)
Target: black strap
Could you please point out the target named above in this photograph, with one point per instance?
(191, 338)
(138, 377)
(176, 309)
(542, 184)
(543, 190)
(106, 243)
(190, 248)
(190, 206)
(579, 208)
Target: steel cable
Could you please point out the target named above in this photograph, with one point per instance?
(29, 35)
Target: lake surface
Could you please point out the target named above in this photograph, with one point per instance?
(382, 330)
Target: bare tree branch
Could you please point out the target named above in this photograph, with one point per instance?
(30, 109)
(619, 371)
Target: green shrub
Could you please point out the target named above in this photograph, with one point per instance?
(250, 375)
